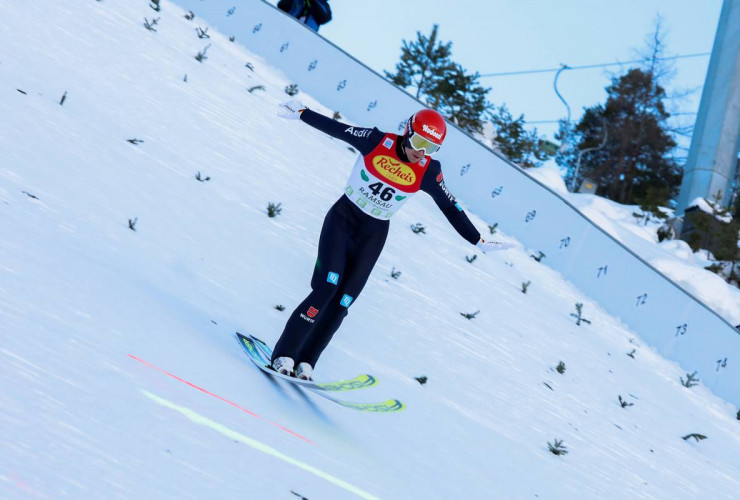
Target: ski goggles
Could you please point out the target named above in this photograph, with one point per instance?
(420, 143)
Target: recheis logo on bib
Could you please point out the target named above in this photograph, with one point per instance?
(394, 170)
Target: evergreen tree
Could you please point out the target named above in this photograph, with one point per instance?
(423, 63)
(426, 66)
(519, 145)
(458, 96)
(635, 162)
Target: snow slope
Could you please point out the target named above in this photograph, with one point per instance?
(674, 258)
(120, 374)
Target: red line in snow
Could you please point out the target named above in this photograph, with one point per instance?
(193, 385)
(154, 367)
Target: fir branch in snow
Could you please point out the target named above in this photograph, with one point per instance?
(256, 87)
(541, 255)
(190, 16)
(32, 196)
(469, 315)
(632, 354)
(132, 223)
(232, 38)
(395, 274)
(579, 316)
(716, 204)
(492, 228)
(202, 54)
(202, 33)
(351, 149)
(738, 414)
(625, 403)
(151, 24)
(291, 89)
(698, 437)
(471, 259)
(64, 98)
(422, 380)
(185, 78)
(525, 286)
(645, 217)
(155, 5)
(336, 116)
(557, 448)
(560, 368)
(690, 381)
(715, 268)
(299, 495)
(418, 228)
(135, 142)
(202, 179)
(280, 307)
(249, 66)
(274, 210)
(22, 91)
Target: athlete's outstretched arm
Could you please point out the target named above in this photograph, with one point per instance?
(433, 184)
(362, 139)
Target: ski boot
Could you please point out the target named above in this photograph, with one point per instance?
(283, 365)
(304, 371)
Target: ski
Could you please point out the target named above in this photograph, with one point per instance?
(258, 357)
(265, 352)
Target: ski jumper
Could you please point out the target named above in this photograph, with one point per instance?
(355, 230)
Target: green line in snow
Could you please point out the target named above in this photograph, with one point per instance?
(253, 443)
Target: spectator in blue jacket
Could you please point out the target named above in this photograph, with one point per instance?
(312, 13)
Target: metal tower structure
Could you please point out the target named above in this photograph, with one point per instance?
(713, 153)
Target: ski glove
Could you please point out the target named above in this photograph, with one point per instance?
(291, 110)
(492, 246)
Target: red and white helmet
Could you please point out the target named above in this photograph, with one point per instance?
(426, 130)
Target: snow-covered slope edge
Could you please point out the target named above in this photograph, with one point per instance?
(80, 293)
(674, 258)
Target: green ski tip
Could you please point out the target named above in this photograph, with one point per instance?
(390, 406)
(359, 382)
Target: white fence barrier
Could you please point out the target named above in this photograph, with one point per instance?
(676, 324)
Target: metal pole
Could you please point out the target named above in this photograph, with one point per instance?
(555, 86)
(580, 155)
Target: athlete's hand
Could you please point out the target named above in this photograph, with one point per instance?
(291, 110)
(493, 246)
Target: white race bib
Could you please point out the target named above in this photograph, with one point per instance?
(373, 195)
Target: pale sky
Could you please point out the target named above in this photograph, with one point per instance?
(502, 36)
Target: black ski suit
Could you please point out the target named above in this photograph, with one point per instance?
(355, 229)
